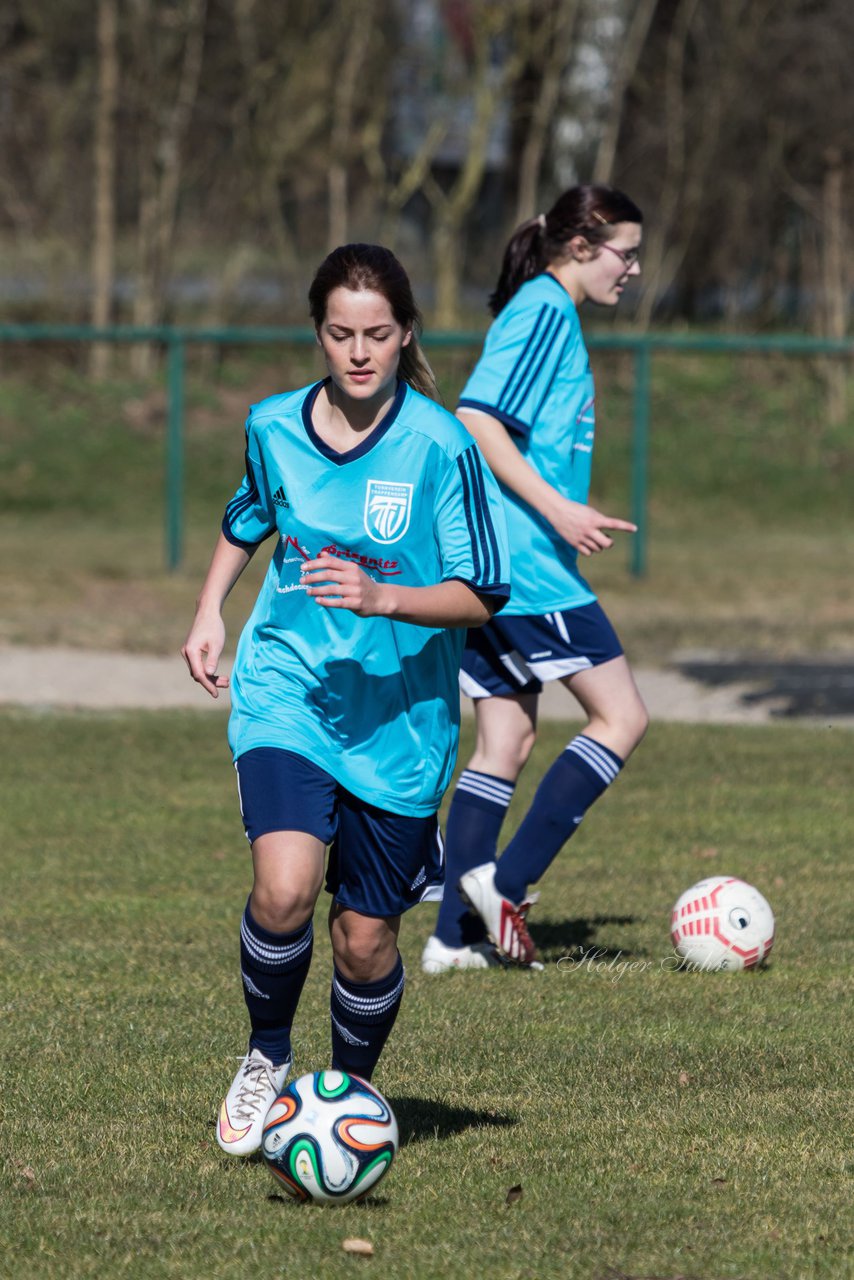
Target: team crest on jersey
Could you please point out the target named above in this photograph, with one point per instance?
(388, 507)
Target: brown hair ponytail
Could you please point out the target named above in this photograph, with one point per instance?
(588, 211)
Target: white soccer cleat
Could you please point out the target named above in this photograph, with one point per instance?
(437, 958)
(504, 920)
(240, 1125)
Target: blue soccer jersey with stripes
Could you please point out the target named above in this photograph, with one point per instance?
(372, 701)
(534, 376)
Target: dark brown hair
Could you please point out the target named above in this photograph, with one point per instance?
(371, 266)
(581, 211)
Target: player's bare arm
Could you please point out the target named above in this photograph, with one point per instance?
(339, 584)
(204, 644)
(579, 524)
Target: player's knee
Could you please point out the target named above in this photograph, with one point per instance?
(638, 722)
(629, 730)
(282, 908)
(505, 757)
(524, 747)
(620, 726)
(364, 955)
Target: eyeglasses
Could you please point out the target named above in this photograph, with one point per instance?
(629, 256)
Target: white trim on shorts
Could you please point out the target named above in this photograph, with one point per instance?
(545, 671)
(557, 668)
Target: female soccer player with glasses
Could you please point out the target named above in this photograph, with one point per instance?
(529, 403)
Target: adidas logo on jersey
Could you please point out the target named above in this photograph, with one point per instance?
(280, 498)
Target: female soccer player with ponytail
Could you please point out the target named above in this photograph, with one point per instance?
(529, 404)
(389, 544)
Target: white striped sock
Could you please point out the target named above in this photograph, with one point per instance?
(596, 756)
(487, 787)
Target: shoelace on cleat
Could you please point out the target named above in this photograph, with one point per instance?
(253, 1091)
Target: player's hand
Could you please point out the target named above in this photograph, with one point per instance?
(585, 528)
(201, 651)
(339, 584)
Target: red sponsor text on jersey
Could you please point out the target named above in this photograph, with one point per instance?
(387, 567)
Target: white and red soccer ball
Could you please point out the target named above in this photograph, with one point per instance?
(722, 923)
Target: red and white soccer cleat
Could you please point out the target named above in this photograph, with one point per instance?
(504, 920)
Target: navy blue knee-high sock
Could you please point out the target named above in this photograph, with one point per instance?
(477, 811)
(274, 967)
(363, 1015)
(576, 779)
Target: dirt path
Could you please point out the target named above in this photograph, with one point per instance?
(87, 679)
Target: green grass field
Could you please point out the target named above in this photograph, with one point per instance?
(660, 1124)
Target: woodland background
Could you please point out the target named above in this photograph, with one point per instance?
(192, 160)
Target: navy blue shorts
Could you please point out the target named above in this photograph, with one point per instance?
(519, 655)
(380, 863)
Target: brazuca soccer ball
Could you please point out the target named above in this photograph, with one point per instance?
(722, 923)
(329, 1137)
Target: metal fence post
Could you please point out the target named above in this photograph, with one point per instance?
(175, 451)
(640, 456)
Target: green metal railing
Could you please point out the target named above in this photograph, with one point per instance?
(643, 347)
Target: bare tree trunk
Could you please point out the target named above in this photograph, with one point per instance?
(659, 245)
(557, 37)
(738, 27)
(358, 25)
(144, 303)
(412, 179)
(824, 257)
(245, 19)
(451, 208)
(834, 262)
(159, 184)
(176, 130)
(447, 259)
(104, 242)
(630, 52)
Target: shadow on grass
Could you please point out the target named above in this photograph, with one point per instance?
(420, 1119)
(369, 1202)
(556, 938)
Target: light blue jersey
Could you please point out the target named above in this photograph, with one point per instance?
(373, 702)
(534, 376)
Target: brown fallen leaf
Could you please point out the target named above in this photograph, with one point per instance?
(514, 1194)
(354, 1245)
(684, 1078)
(28, 1174)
